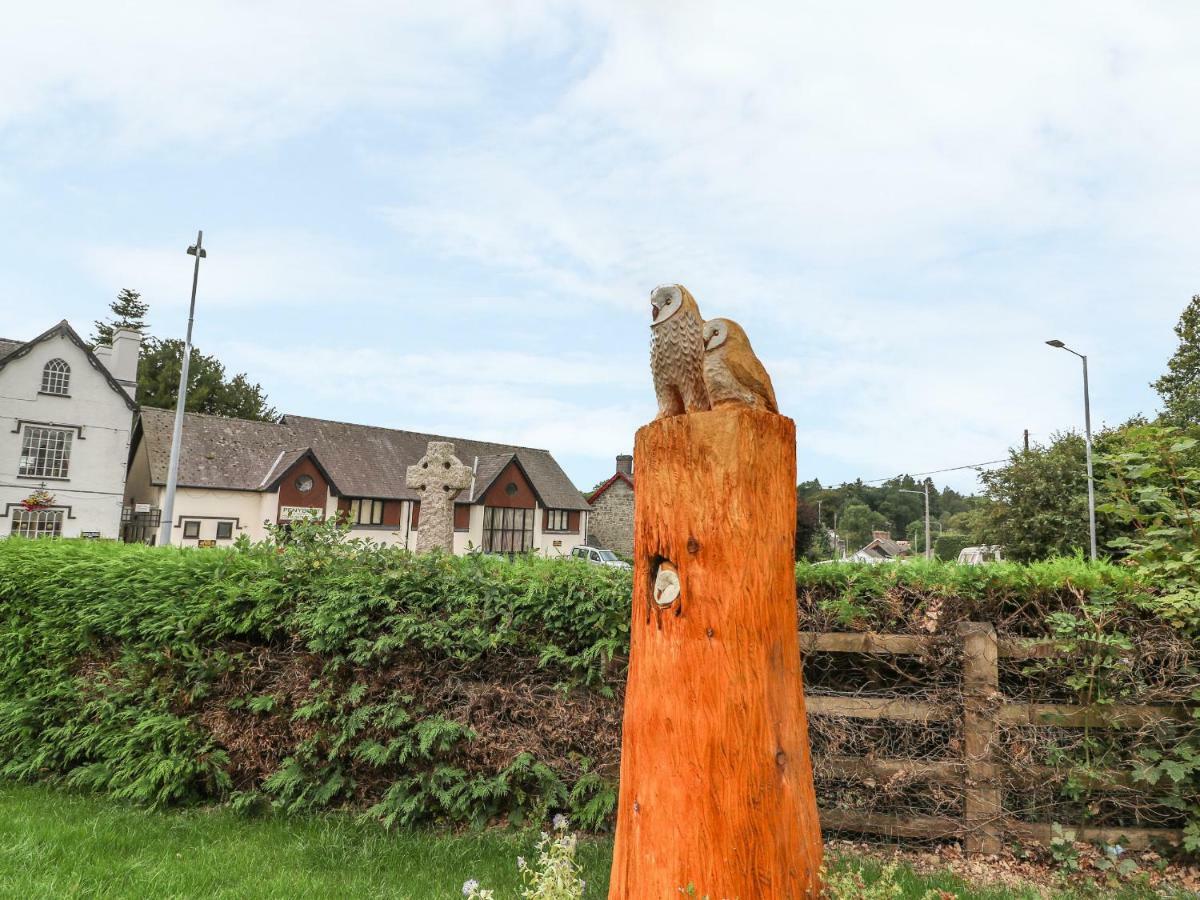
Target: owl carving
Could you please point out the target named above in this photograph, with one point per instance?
(677, 351)
(666, 585)
(732, 373)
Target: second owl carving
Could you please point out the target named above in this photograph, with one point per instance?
(699, 365)
(733, 375)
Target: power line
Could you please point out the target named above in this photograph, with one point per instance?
(990, 462)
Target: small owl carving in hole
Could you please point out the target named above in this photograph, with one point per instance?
(666, 585)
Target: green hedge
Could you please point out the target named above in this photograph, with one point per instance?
(322, 673)
(333, 673)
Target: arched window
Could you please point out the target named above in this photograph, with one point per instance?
(56, 377)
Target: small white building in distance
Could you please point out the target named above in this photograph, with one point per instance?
(65, 419)
(236, 476)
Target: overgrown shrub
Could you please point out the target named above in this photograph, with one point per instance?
(324, 672)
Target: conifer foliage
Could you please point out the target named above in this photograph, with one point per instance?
(128, 311)
(1179, 386)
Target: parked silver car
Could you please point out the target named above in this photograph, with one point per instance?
(600, 557)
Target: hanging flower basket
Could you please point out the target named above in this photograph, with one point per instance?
(39, 499)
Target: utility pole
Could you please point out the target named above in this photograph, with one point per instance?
(197, 250)
(1087, 426)
(928, 545)
(1026, 440)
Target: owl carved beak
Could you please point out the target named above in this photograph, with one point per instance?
(653, 313)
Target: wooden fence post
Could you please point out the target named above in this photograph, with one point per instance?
(983, 804)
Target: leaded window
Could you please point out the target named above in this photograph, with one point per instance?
(45, 452)
(507, 530)
(37, 523)
(365, 511)
(56, 377)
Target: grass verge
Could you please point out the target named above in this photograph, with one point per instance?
(59, 844)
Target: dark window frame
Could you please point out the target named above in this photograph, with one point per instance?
(226, 527)
(558, 520)
(508, 529)
(187, 528)
(373, 507)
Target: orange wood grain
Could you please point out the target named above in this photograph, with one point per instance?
(716, 777)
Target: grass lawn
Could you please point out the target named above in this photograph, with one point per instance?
(58, 844)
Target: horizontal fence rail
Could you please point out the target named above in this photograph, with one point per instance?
(984, 824)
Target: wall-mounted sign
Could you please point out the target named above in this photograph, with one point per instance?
(558, 543)
(298, 513)
(141, 507)
(206, 543)
(90, 535)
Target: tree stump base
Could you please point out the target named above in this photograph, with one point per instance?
(716, 777)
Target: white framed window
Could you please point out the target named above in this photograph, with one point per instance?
(37, 523)
(45, 452)
(556, 520)
(56, 377)
(365, 511)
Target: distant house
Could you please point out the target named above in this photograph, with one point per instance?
(610, 524)
(882, 549)
(65, 416)
(237, 476)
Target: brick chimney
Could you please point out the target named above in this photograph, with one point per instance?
(625, 464)
(881, 535)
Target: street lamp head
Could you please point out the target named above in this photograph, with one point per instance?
(1057, 343)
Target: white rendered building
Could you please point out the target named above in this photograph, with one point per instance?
(65, 418)
(237, 476)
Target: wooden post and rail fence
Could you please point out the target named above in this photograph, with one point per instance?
(980, 771)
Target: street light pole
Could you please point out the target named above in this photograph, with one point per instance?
(1087, 426)
(928, 546)
(197, 250)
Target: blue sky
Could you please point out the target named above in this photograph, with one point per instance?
(449, 217)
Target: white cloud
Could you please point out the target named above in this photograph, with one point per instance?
(243, 268)
(900, 203)
(231, 73)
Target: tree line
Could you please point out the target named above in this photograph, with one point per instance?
(1035, 505)
(210, 390)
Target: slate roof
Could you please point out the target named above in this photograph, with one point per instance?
(361, 460)
(885, 548)
(217, 452)
(599, 492)
(7, 346)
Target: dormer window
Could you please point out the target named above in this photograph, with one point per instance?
(56, 377)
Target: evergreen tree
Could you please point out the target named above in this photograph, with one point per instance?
(1179, 387)
(209, 391)
(128, 311)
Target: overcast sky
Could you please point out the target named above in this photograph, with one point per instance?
(448, 216)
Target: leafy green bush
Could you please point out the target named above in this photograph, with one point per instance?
(317, 673)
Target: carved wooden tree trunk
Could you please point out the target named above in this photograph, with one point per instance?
(716, 778)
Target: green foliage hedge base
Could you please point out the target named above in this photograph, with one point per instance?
(328, 673)
(320, 674)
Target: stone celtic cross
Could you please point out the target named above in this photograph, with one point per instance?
(439, 477)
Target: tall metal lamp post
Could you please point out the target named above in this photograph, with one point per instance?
(928, 546)
(1087, 425)
(197, 250)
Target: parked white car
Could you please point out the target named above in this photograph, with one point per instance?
(977, 556)
(600, 557)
